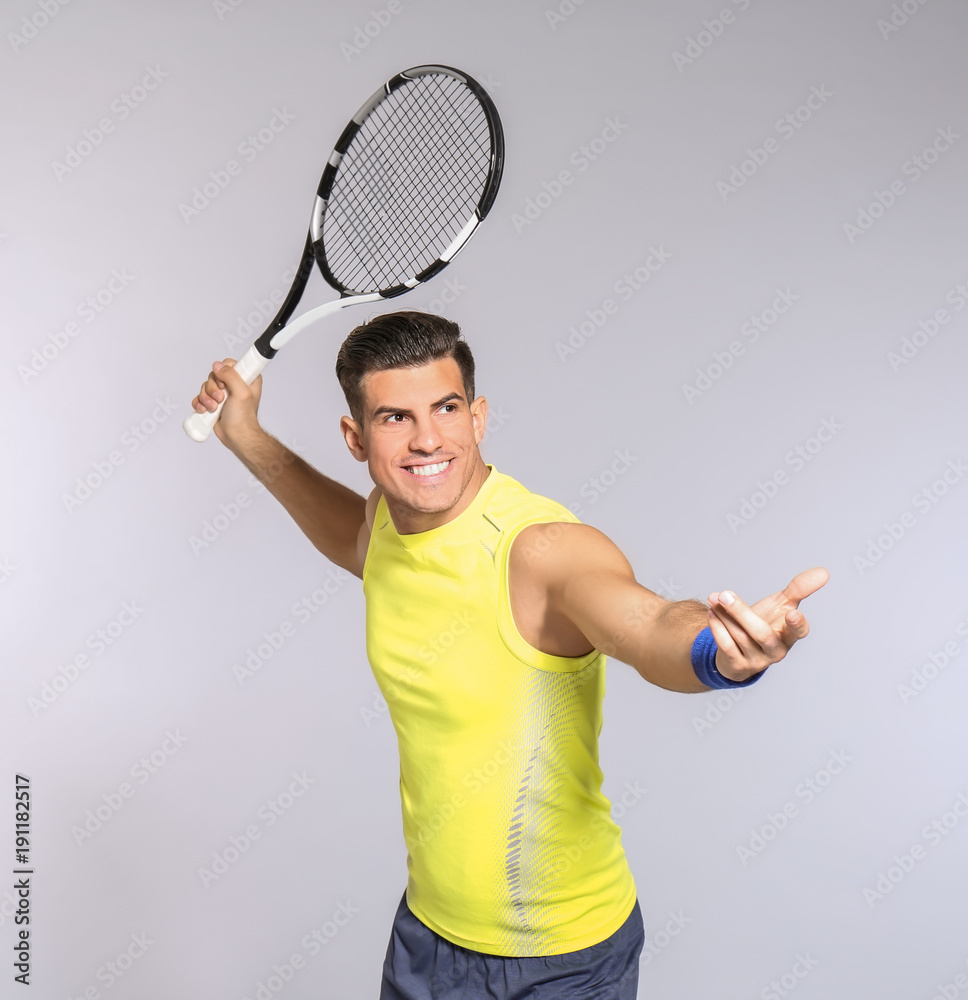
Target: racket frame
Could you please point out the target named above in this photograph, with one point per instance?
(280, 330)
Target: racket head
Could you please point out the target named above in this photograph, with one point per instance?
(412, 175)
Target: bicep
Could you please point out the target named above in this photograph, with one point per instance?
(591, 583)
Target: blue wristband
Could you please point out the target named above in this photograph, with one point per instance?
(704, 663)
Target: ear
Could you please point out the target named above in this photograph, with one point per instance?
(353, 436)
(479, 417)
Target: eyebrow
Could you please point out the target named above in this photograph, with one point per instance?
(381, 410)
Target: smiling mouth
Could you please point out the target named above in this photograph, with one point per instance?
(424, 471)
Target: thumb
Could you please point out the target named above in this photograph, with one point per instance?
(229, 379)
(225, 373)
(806, 583)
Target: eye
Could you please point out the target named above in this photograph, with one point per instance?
(392, 418)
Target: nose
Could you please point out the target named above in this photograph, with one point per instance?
(426, 437)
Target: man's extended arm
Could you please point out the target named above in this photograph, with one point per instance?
(331, 515)
(589, 581)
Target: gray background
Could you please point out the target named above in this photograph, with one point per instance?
(713, 770)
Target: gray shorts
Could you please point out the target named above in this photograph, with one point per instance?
(421, 965)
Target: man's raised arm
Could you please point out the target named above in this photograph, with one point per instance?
(588, 581)
(331, 515)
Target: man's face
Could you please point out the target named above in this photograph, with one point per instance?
(420, 439)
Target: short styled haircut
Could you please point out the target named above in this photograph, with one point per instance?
(405, 339)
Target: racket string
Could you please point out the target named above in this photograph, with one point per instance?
(409, 182)
(425, 194)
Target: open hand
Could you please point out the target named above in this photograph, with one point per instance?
(750, 639)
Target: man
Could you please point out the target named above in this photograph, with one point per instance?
(489, 614)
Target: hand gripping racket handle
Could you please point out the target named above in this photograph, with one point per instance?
(199, 425)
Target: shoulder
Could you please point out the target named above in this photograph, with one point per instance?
(366, 530)
(547, 540)
(511, 504)
(372, 502)
(556, 550)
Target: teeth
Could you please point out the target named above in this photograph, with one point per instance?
(428, 470)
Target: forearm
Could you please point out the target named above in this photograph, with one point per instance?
(328, 513)
(662, 655)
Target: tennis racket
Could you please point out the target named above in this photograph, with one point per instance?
(411, 177)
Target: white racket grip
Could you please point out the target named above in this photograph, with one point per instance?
(199, 425)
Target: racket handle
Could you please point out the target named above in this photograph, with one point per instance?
(199, 425)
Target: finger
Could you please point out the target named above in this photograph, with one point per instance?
(210, 394)
(795, 626)
(204, 401)
(228, 378)
(740, 641)
(214, 389)
(723, 637)
(760, 632)
(804, 584)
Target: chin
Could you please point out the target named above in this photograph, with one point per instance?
(433, 499)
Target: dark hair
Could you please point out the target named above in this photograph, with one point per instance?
(399, 340)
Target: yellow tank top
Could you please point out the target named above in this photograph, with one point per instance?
(511, 846)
